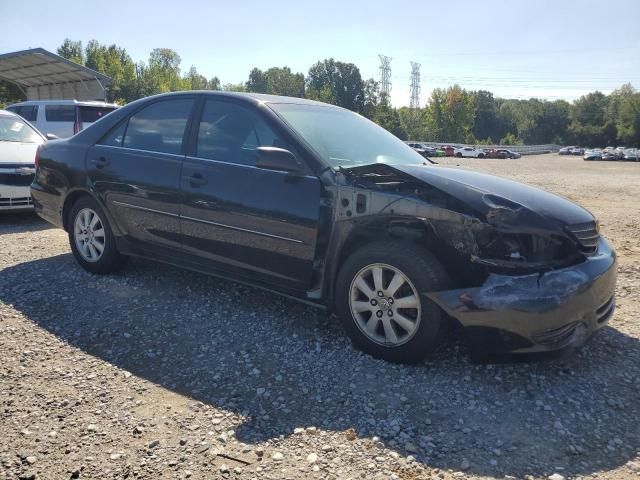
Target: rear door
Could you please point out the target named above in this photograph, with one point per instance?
(251, 222)
(135, 169)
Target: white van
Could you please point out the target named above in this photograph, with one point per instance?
(62, 118)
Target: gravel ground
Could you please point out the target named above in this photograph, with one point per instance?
(162, 373)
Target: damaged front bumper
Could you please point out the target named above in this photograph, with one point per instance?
(553, 311)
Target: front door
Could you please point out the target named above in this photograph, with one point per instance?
(254, 223)
(135, 170)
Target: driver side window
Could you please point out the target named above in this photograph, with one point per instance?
(231, 133)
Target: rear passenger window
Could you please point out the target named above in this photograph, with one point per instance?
(60, 113)
(231, 133)
(159, 127)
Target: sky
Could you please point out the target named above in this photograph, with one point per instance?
(514, 48)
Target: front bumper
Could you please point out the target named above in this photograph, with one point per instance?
(15, 198)
(529, 314)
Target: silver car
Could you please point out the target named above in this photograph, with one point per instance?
(19, 142)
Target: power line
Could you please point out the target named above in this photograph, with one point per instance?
(385, 78)
(414, 101)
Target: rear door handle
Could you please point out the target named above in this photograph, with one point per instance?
(100, 162)
(196, 180)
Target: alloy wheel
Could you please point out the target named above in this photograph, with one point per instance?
(89, 235)
(385, 304)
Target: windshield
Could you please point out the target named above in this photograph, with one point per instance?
(343, 138)
(12, 129)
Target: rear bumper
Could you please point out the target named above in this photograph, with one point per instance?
(48, 204)
(15, 198)
(531, 314)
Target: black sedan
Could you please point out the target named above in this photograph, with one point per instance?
(317, 203)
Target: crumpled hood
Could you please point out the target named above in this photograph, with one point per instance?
(16, 152)
(483, 193)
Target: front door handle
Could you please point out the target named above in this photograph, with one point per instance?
(196, 180)
(100, 162)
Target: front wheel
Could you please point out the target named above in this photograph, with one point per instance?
(91, 238)
(459, 155)
(481, 155)
(380, 301)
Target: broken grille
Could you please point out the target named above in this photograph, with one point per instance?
(587, 236)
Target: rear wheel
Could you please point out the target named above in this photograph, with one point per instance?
(459, 155)
(91, 238)
(481, 155)
(380, 301)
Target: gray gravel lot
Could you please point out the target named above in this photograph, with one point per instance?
(162, 373)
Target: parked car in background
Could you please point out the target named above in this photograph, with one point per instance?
(19, 142)
(61, 118)
(448, 150)
(471, 152)
(609, 155)
(566, 150)
(318, 203)
(632, 154)
(502, 153)
(577, 151)
(426, 150)
(422, 149)
(592, 154)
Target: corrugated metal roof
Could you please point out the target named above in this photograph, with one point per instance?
(43, 75)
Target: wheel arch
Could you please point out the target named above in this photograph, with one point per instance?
(75, 195)
(359, 235)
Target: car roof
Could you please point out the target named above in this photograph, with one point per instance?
(82, 103)
(256, 98)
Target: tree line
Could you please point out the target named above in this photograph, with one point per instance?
(452, 114)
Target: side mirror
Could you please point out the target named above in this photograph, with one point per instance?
(51, 136)
(274, 158)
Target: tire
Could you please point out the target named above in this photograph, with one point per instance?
(358, 314)
(481, 155)
(459, 155)
(86, 242)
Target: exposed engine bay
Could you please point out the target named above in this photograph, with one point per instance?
(481, 227)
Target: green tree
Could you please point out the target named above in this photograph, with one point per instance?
(117, 64)
(196, 81)
(234, 87)
(628, 121)
(388, 118)
(336, 82)
(164, 70)
(510, 139)
(459, 115)
(276, 81)
(214, 84)
(257, 82)
(10, 93)
(71, 50)
(485, 118)
(371, 98)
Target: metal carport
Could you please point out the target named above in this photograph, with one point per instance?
(43, 75)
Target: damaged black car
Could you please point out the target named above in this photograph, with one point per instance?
(317, 203)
